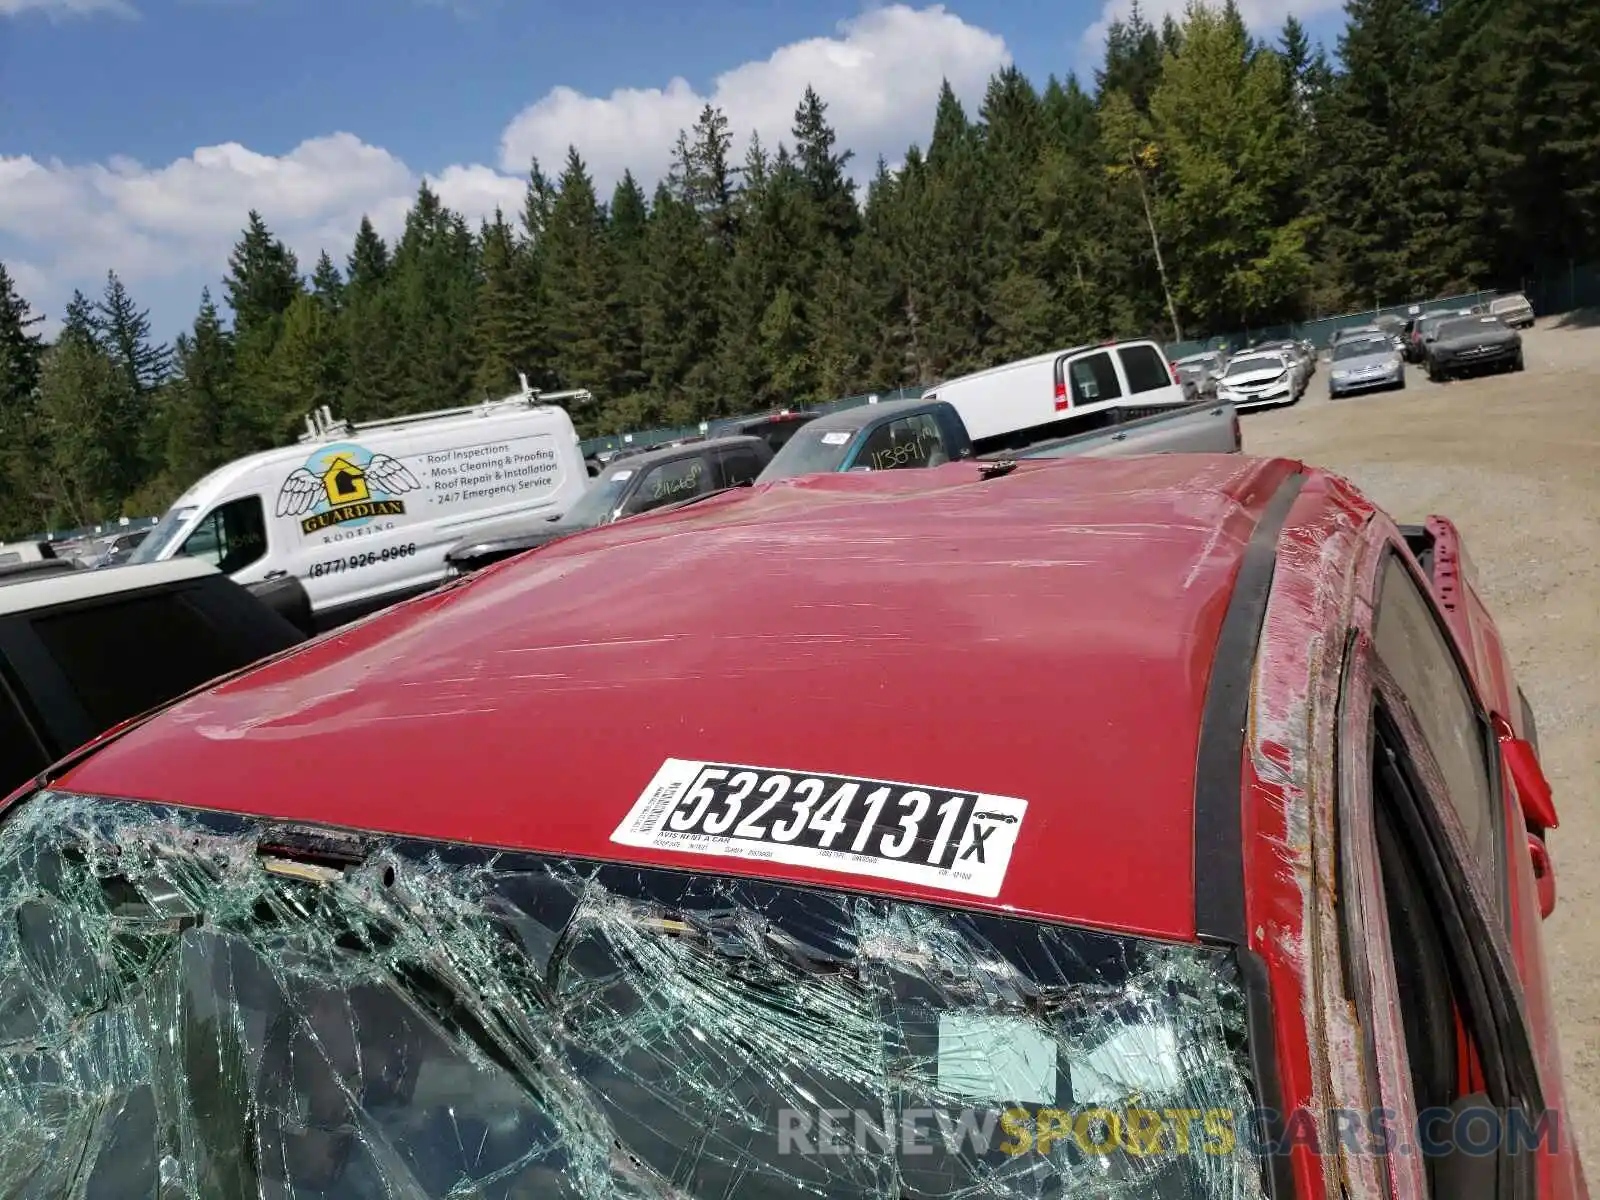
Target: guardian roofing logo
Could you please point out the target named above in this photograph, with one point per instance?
(345, 485)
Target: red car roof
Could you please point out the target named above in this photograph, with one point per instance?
(1047, 635)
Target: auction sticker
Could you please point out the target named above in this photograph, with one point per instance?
(937, 837)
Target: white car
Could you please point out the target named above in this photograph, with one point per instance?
(1514, 310)
(1256, 379)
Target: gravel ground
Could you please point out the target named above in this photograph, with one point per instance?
(1514, 460)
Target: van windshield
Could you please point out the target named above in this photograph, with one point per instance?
(811, 451)
(190, 1006)
(163, 535)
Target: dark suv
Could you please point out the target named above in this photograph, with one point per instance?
(81, 650)
(636, 483)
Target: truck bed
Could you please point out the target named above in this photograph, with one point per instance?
(1204, 428)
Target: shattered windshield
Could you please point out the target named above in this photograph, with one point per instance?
(195, 1006)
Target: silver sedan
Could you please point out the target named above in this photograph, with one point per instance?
(1362, 364)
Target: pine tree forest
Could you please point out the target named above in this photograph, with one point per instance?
(1207, 181)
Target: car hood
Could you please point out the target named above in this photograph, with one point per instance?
(1365, 362)
(1250, 378)
(509, 537)
(1488, 336)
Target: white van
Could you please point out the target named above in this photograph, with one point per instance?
(362, 514)
(1064, 391)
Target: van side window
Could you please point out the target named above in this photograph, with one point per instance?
(1146, 370)
(1094, 379)
(230, 536)
(912, 441)
(669, 483)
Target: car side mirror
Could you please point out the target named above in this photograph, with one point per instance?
(1544, 874)
(1521, 763)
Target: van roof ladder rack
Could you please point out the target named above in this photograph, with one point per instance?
(322, 425)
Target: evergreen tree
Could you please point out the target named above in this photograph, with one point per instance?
(706, 178)
(1132, 65)
(679, 315)
(21, 354)
(822, 176)
(1225, 130)
(368, 265)
(123, 329)
(504, 343)
(203, 430)
(327, 285)
(84, 472)
(263, 279)
(628, 233)
(21, 346)
(580, 294)
(434, 284)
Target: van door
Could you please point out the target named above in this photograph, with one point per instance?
(232, 537)
(1146, 371)
(1087, 382)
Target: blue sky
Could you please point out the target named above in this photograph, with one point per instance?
(137, 133)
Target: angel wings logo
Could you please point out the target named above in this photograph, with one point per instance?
(345, 485)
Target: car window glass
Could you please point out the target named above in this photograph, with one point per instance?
(740, 465)
(1417, 652)
(231, 536)
(1094, 379)
(21, 755)
(904, 442)
(669, 483)
(133, 652)
(1146, 370)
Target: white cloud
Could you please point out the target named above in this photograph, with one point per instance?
(880, 78)
(1262, 16)
(57, 9)
(178, 221)
(167, 229)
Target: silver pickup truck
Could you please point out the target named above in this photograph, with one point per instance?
(928, 433)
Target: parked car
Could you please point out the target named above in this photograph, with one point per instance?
(1363, 363)
(20, 552)
(632, 484)
(82, 650)
(362, 513)
(1201, 370)
(1298, 353)
(1513, 309)
(1063, 392)
(115, 550)
(1258, 378)
(1469, 345)
(773, 428)
(1427, 326)
(929, 433)
(524, 890)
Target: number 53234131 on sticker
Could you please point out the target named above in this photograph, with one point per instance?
(955, 840)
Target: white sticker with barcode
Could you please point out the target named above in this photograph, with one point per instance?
(959, 841)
